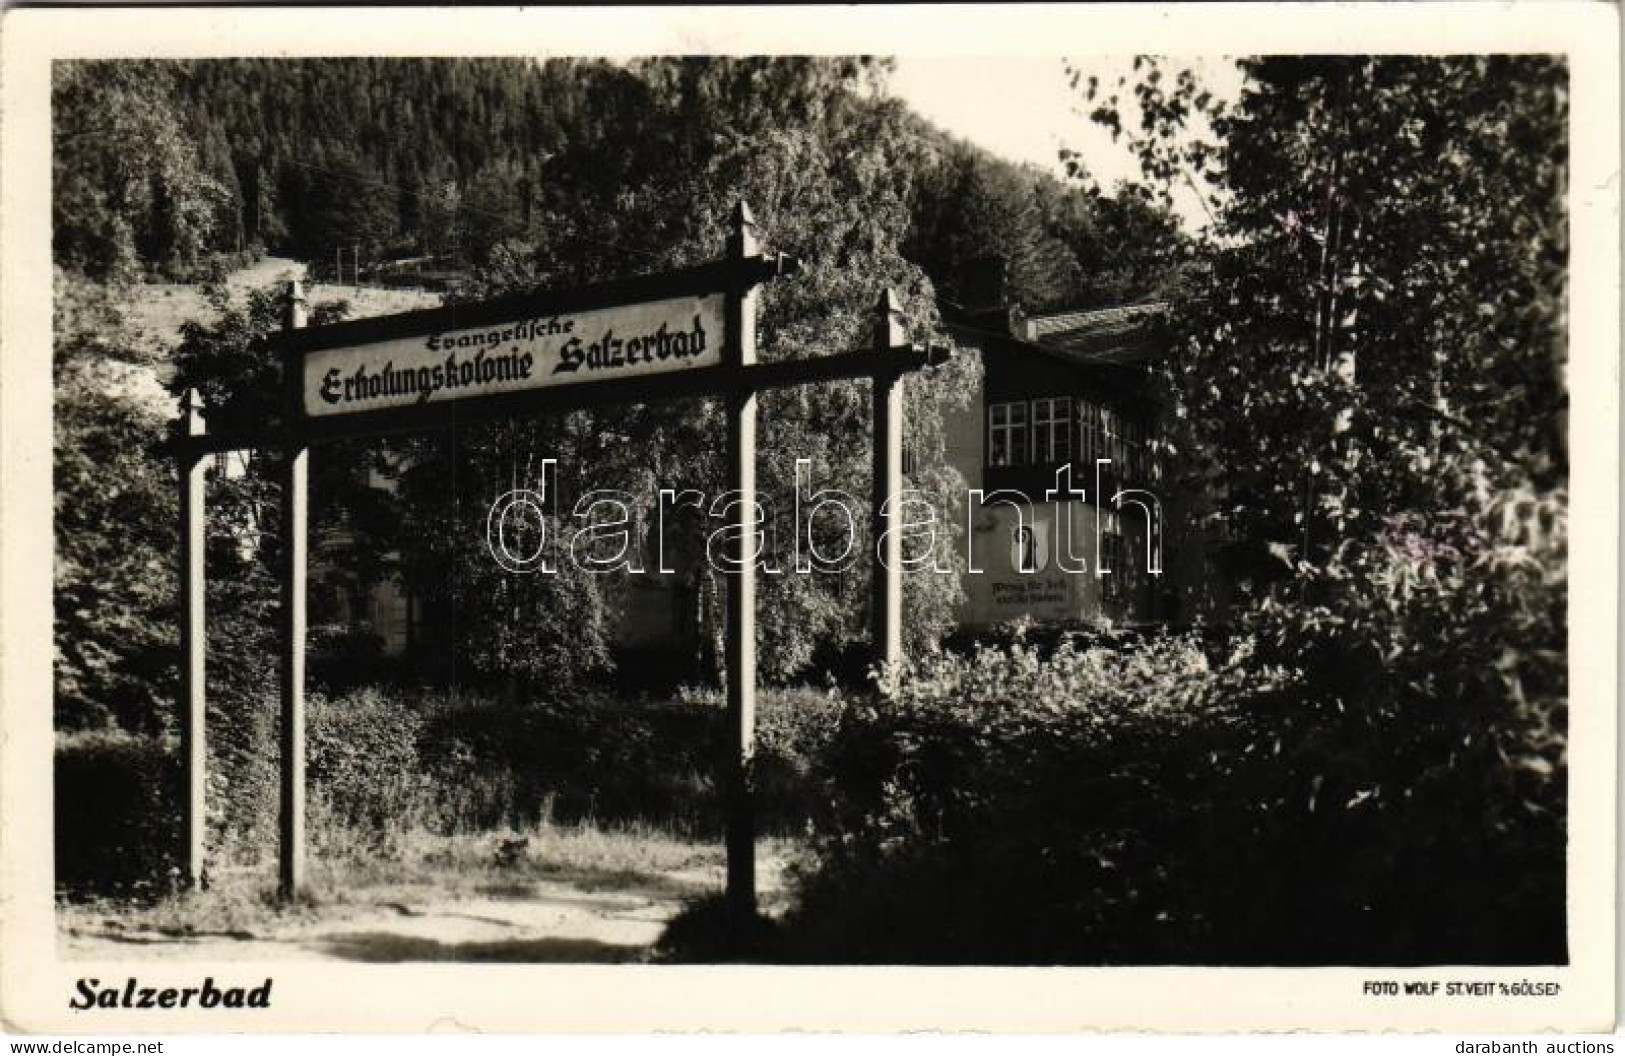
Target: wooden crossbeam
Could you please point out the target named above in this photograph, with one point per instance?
(691, 384)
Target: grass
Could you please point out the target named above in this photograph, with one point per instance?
(463, 861)
(390, 834)
(356, 872)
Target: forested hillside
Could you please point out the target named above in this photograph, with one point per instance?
(161, 167)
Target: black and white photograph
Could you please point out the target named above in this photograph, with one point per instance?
(1100, 507)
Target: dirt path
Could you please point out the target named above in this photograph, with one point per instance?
(573, 920)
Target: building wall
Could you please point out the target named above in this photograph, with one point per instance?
(1057, 588)
(1051, 584)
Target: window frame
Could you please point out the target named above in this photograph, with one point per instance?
(1088, 434)
(1017, 435)
(1054, 445)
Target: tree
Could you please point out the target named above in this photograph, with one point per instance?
(495, 207)
(349, 208)
(1366, 379)
(974, 207)
(128, 186)
(114, 511)
(1385, 278)
(568, 172)
(824, 166)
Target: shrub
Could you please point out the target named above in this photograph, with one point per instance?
(1158, 802)
(244, 703)
(384, 764)
(511, 764)
(794, 730)
(1006, 806)
(117, 813)
(616, 760)
(1434, 652)
(364, 768)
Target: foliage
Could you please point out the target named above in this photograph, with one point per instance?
(451, 160)
(821, 159)
(117, 813)
(129, 189)
(390, 765)
(114, 505)
(114, 588)
(1448, 641)
(1370, 360)
(1367, 379)
(1383, 292)
(365, 765)
(342, 212)
(1060, 245)
(231, 359)
(1164, 803)
(615, 761)
(517, 174)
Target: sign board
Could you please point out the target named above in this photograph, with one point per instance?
(534, 352)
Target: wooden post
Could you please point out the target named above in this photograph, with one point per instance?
(295, 499)
(193, 702)
(739, 343)
(889, 334)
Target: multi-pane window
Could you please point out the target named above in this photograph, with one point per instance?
(1106, 433)
(1131, 443)
(1052, 429)
(1007, 434)
(1088, 435)
(1055, 429)
(1111, 438)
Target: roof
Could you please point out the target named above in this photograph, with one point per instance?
(1110, 347)
(1116, 335)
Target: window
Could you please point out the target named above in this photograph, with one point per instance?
(1007, 434)
(1132, 444)
(1111, 439)
(1112, 571)
(1088, 435)
(1052, 430)
(1126, 441)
